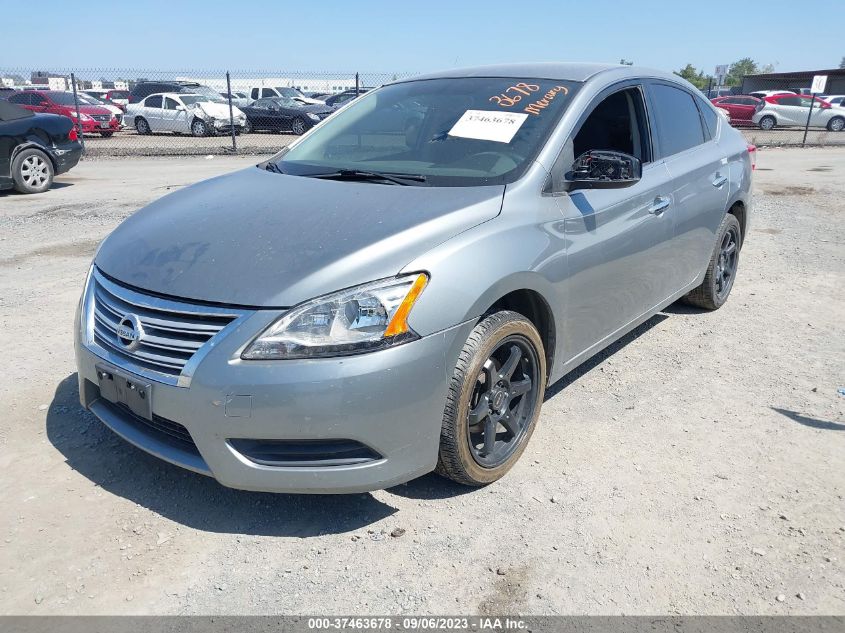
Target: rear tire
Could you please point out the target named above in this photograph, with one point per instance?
(32, 171)
(722, 269)
(768, 123)
(836, 124)
(494, 400)
(142, 127)
(247, 127)
(106, 134)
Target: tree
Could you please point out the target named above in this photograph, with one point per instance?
(739, 69)
(625, 62)
(842, 63)
(696, 77)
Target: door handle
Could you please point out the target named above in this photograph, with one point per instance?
(659, 205)
(719, 180)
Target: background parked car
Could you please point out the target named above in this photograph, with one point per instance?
(740, 107)
(117, 111)
(762, 94)
(34, 148)
(118, 97)
(342, 98)
(238, 98)
(93, 119)
(284, 115)
(792, 109)
(146, 88)
(5, 92)
(268, 92)
(182, 113)
(834, 100)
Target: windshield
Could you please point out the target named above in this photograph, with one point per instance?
(192, 99)
(83, 98)
(455, 132)
(62, 98)
(289, 92)
(208, 93)
(119, 94)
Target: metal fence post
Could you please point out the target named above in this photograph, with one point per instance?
(231, 115)
(809, 114)
(357, 85)
(78, 120)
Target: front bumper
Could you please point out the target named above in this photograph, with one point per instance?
(390, 401)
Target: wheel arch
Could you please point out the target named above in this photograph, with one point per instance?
(31, 145)
(533, 306)
(740, 211)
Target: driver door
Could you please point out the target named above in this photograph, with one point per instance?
(618, 240)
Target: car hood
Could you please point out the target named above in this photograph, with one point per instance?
(256, 238)
(218, 110)
(321, 108)
(90, 109)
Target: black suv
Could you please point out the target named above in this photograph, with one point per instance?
(145, 88)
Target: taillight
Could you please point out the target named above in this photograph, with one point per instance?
(73, 135)
(752, 154)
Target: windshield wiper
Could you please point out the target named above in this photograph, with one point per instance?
(358, 174)
(273, 167)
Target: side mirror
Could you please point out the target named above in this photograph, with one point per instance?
(604, 169)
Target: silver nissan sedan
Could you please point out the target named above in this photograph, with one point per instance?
(391, 294)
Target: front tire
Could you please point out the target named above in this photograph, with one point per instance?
(722, 269)
(199, 128)
(106, 134)
(836, 124)
(767, 123)
(298, 126)
(494, 400)
(142, 127)
(32, 171)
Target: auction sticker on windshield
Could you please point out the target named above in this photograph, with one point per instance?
(488, 126)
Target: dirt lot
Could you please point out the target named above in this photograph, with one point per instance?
(697, 467)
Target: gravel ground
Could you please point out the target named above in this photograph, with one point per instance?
(128, 143)
(696, 467)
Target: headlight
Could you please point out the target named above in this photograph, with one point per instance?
(361, 319)
(84, 117)
(313, 116)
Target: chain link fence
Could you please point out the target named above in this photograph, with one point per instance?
(132, 112)
(258, 112)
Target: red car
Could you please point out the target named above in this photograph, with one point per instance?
(740, 107)
(93, 119)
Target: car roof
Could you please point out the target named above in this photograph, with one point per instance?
(566, 71)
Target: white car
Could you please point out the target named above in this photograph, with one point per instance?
(792, 110)
(762, 94)
(182, 113)
(265, 92)
(834, 100)
(89, 100)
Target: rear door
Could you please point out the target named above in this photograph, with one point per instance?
(789, 110)
(687, 132)
(153, 112)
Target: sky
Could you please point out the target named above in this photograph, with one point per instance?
(423, 35)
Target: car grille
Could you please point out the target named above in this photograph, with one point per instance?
(101, 117)
(174, 333)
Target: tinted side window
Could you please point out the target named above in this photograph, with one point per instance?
(789, 101)
(170, 104)
(153, 102)
(268, 92)
(678, 120)
(20, 97)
